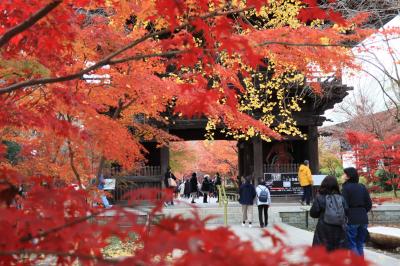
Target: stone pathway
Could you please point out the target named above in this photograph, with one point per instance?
(295, 236)
(298, 237)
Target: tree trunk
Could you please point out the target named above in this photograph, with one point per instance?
(72, 163)
(102, 158)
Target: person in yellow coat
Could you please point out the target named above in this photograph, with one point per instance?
(306, 181)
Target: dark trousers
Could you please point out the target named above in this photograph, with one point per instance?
(205, 193)
(261, 209)
(307, 191)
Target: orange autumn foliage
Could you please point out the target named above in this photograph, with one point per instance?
(79, 77)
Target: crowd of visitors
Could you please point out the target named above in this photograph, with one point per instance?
(192, 187)
(341, 213)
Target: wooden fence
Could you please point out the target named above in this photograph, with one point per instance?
(147, 171)
(126, 186)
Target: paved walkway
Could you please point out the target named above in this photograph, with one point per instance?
(295, 236)
(298, 237)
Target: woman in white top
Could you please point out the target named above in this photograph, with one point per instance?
(263, 202)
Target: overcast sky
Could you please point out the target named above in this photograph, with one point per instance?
(362, 82)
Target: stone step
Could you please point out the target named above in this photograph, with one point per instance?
(234, 215)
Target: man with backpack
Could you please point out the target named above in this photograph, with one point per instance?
(263, 202)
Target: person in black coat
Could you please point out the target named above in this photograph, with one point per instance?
(247, 194)
(218, 182)
(193, 186)
(330, 236)
(167, 176)
(187, 188)
(359, 202)
(205, 188)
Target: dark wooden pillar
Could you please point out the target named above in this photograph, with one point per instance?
(246, 165)
(258, 166)
(312, 143)
(241, 162)
(164, 160)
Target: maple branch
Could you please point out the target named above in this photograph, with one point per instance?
(305, 44)
(144, 56)
(106, 60)
(6, 37)
(59, 228)
(68, 224)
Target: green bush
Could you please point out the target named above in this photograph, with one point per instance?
(13, 150)
(337, 172)
(383, 176)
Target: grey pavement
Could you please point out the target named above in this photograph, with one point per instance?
(299, 238)
(294, 236)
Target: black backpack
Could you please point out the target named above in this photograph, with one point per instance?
(263, 197)
(334, 210)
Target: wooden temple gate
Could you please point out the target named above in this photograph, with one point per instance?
(277, 161)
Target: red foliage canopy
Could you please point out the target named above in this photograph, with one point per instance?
(73, 74)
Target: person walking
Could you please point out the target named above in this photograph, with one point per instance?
(359, 202)
(263, 202)
(181, 189)
(100, 186)
(205, 188)
(193, 187)
(247, 193)
(187, 188)
(306, 181)
(218, 182)
(170, 184)
(330, 208)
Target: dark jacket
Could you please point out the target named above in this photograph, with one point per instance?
(247, 193)
(359, 202)
(206, 185)
(187, 187)
(193, 184)
(167, 175)
(218, 181)
(330, 236)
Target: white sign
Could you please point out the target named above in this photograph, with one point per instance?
(318, 179)
(109, 184)
(286, 184)
(348, 159)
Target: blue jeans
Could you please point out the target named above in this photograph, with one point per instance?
(356, 236)
(105, 201)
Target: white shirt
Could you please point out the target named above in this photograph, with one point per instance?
(260, 188)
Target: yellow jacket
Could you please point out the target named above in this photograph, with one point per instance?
(305, 177)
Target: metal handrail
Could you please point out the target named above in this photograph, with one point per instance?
(223, 199)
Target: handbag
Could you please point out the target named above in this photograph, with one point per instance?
(171, 182)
